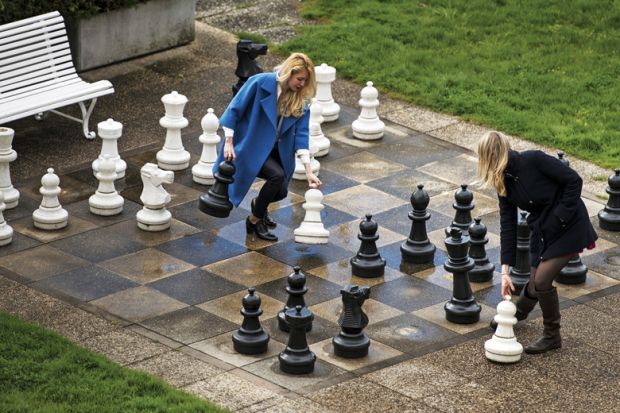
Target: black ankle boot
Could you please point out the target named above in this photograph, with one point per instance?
(260, 229)
(270, 222)
(525, 304)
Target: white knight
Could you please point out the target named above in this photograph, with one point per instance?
(154, 216)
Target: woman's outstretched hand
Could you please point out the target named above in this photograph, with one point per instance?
(229, 150)
(507, 287)
(313, 181)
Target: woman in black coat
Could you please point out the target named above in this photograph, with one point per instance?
(558, 220)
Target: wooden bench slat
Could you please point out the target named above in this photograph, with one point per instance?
(43, 86)
(33, 47)
(43, 52)
(32, 27)
(51, 61)
(29, 20)
(9, 85)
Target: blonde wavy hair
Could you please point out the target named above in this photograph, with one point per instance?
(492, 160)
(293, 103)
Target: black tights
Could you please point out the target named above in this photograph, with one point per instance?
(541, 277)
(275, 187)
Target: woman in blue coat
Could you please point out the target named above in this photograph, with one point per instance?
(266, 125)
(559, 224)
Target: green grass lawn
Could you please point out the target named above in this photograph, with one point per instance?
(544, 70)
(43, 372)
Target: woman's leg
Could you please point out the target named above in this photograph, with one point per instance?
(273, 174)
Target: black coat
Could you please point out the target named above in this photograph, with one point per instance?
(551, 192)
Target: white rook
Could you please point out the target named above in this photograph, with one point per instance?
(109, 132)
(325, 75)
(368, 126)
(6, 232)
(154, 216)
(202, 172)
(7, 155)
(173, 157)
(106, 201)
(311, 230)
(50, 215)
(503, 346)
(316, 133)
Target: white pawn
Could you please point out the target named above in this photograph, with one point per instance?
(173, 156)
(316, 134)
(311, 230)
(368, 126)
(202, 172)
(503, 346)
(109, 132)
(300, 170)
(50, 215)
(6, 232)
(154, 216)
(325, 75)
(7, 155)
(106, 201)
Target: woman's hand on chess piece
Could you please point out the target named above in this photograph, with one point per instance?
(229, 150)
(507, 287)
(313, 181)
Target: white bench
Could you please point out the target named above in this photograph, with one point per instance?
(37, 73)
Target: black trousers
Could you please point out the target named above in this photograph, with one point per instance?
(275, 187)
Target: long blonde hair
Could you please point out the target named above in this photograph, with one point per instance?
(493, 151)
(293, 103)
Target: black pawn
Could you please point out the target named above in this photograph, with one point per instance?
(250, 338)
(417, 249)
(296, 290)
(351, 341)
(520, 273)
(462, 308)
(463, 204)
(247, 65)
(609, 217)
(483, 269)
(297, 357)
(368, 263)
(215, 202)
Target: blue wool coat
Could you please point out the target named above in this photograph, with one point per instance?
(252, 114)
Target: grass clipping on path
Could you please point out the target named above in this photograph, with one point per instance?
(41, 371)
(544, 70)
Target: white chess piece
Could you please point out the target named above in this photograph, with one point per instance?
(503, 346)
(154, 216)
(50, 215)
(6, 232)
(311, 230)
(202, 172)
(316, 134)
(368, 126)
(7, 155)
(173, 156)
(300, 170)
(325, 75)
(106, 201)
(109, 132)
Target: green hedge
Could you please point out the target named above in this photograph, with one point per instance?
(12, 10)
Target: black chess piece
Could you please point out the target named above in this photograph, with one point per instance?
(296, 290)
(463, 204)
(215, 202)
(520, 273)
(609, 217)
(297, 357)
(247, 66)
(351, 342)
(462, 308)
(368, 262)
(250, 338)
(417, 249)
(483, 269)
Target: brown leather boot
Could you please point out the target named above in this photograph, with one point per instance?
(525, 304)
(550, 306)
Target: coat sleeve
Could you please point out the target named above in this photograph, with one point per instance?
(237, 107)
(568, 180)
(301, 131)
(508, 216)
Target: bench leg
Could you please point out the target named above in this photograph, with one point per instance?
(41, 116)
(86, 116)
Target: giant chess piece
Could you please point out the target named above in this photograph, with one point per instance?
(368, 126)
(297, 357)
(316, 133)
(463, 204)
(575, 271)
(296, 290)
(250, 338)
(202, 172)
(368, 262)
(418, 249)
(154, 216)
(311, 230)
(50, 215)
(299, 173)
(110, 131)
(215, 202)
(483, 270)
(6, 232)
(106, 201)
(351, 342)
(609, 217)
(520, 273)
(325, 75)
(462, 308)
(247, 65)
(503, 347)
(173, 156)
(7, 155)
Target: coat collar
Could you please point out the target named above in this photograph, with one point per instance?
(512, 168)
(269, 103)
